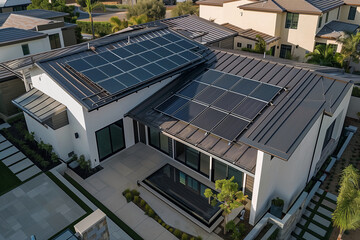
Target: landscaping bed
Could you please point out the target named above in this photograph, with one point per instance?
(8, 179)
(134, 196)
(83, 167)
(40, 154)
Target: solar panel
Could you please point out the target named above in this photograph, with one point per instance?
(79, 65)
(209, 76)
(185, 44)
(110, 70)
(172, 104)
(208, 119)
(230, 128)
(249, 108)
(95, 75)
(189, 111)
(124, 65)
(112, 86)
(162, 51)
(228, 101)
(174, 47)
(135, 48)
(178, 59)
(172, 37)
(226, 81)
(148, 44)
(245, 86)
(154, 69)
(127, 79)
(265, 92)
(209, 95)
(188, 55)
(141, 74)
(160, 40)
(109, 56)
(121, 52)
(95, 60)
(167, 64)
(137, 60)
(192, 89)
(150, 56)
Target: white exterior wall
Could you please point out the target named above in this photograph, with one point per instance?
(212, 13)
(286, 179)
(14, 51)
(354, 108)
(345, 14)
(54, 31)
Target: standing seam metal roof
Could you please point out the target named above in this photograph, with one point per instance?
(10, 36)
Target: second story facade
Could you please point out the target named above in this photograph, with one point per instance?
(295, 23)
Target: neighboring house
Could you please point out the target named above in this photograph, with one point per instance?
(26, 33)
(296, 23)
(220, 113)
(13, 5)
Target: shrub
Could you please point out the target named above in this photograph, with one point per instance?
(54, 157)
(167, 226)
(198, 238)
(128, 197)
(126, 191)
(136, 199)
(147, 207)
(171, 230)
(135, 192)
(159, 221)
(277, 202)
(142, 202)
(151, 213)
(100, 28)
(184, 236)
(44, 163)
(177, 233)
(153, 9)
(163, 224)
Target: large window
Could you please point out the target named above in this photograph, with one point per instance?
(292, 20)
(320, 21)
(25, 49)
(194, 159)
(223, 171)
(110, 139)
(352, 13)
(54, 41)
(327, 17)
(285, 51)
(328, 134)
(158, 140)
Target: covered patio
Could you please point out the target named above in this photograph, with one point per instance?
(123, 171)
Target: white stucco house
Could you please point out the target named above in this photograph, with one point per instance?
(220, 113)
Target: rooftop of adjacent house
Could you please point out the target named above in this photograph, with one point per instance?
(36, 13)
(9, 36)
(6, 74)
(214, 2)
(241, 103)
(352, 2)
(251, 33)
(11, 3)
(297, 6)
(120, 64)
(28, 23)
(336, 29)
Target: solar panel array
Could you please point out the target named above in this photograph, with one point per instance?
(220, 103)
(119, 69)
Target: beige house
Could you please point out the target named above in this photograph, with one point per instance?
(297, 25)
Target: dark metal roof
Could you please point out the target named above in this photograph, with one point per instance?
(6, 74)
(10, 36)
(199, 29)
(280, 127)
(39, 105)
(11, 3)
(37, 13)
(335, 29)
(251, 33)
(89, 94)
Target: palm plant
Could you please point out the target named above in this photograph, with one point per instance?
(347, 213)
(90, 7)
(350, 49)
(118, 24)
(136, 20)
(324, 55)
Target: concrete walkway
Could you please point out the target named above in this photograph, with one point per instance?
(316, 222)
(16, 161)
(123, 171)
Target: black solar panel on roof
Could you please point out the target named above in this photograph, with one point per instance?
(177, 59)
(245, 86)
(249, 108)
(135, 48)
(124, 65)
(110, 70)
(230, 128)
(121, 52)
(162, 51)
(208, 119)
(186, 44)
(127, 79)
(148, 44)
(95, 60)
(151, 56)
(167, 64)
(209, 95)
(109, 56)
(192, 89)
(228, 101)
(112, 85)
(189, 111)
(79, 65)
(141, 74)
(174, 47)
(210, 76)
(188, 55)
(154, 69)
(137, 60)
(95, 75)
(172, 37)
(160, 40)
(172, 104)
(226, 81)
(265, 92)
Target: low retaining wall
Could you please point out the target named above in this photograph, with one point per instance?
(288, 223)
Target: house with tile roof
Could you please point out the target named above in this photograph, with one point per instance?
(297, 25)
(215, 113)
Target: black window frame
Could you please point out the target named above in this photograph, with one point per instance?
(292, 20)
(111, 145)
(54, 40)
(286, 47)
(320, 21)
(327, 17)
(185, 160)
(249, 46)
(25, 49)
(239, 44)
(328, 134)
(159, 137)
(338, 14)
(352, 13)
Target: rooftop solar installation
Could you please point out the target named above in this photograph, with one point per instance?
(220, 103)
(119, 69)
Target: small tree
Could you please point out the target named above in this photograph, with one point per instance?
(229, 197)
(260, 46)
(183, 8)
(347, 213)
(136, 20)
(324, 55)
(90, 7)
(118, 24)
(153, 9)
(350, 49)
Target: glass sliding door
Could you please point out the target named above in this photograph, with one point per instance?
(220, 170)
(110, 139)
(159, 140)
(223, 171)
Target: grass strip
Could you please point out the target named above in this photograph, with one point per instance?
(109, 213)
(70, 226)
(8, 179)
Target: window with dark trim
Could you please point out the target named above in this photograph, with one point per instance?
(192, 158)
(285, 51)
(352, 13)
(239, 45)
(328, 134)
(25, 49)
(320, 21)
(249, 46)
(327, 17)
(338, 14)
(136, 131)
(224, 171)
(54, 41)
(158, 140)
(292, 20)
(110, 139)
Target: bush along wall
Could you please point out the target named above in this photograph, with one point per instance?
(100, 28)
(134, 196)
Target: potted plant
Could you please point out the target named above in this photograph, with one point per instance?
(277, 205)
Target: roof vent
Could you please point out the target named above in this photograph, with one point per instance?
(129, 41)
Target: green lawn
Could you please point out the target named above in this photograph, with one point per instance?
(8, 179)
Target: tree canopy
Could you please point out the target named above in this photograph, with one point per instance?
(118, 24)
(153, 9)
(183, 8)
(57, 5)
(350, 49)
(324, 55)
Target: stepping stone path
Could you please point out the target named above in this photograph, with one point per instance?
(16, 161)
(316, 223)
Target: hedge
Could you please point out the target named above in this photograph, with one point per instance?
(100, 28)
(356, 92)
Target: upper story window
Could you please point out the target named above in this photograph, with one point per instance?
(327, 17)
(338, 14)
(320, 22)
(292, 20)
(54, 41)
(352, 13)
(25, 49)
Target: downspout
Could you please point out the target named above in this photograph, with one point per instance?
(317, 139)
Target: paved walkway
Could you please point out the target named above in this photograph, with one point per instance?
(16, 161)
(316, 221)
(36, 207)
(123, 171)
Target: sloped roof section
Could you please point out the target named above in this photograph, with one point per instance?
(335, 29)
(10, 36)
(214, 2)
(25, 22)
(11, 3)
(251, 33)
(39, 105)
(352, 2)
(36, 13)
